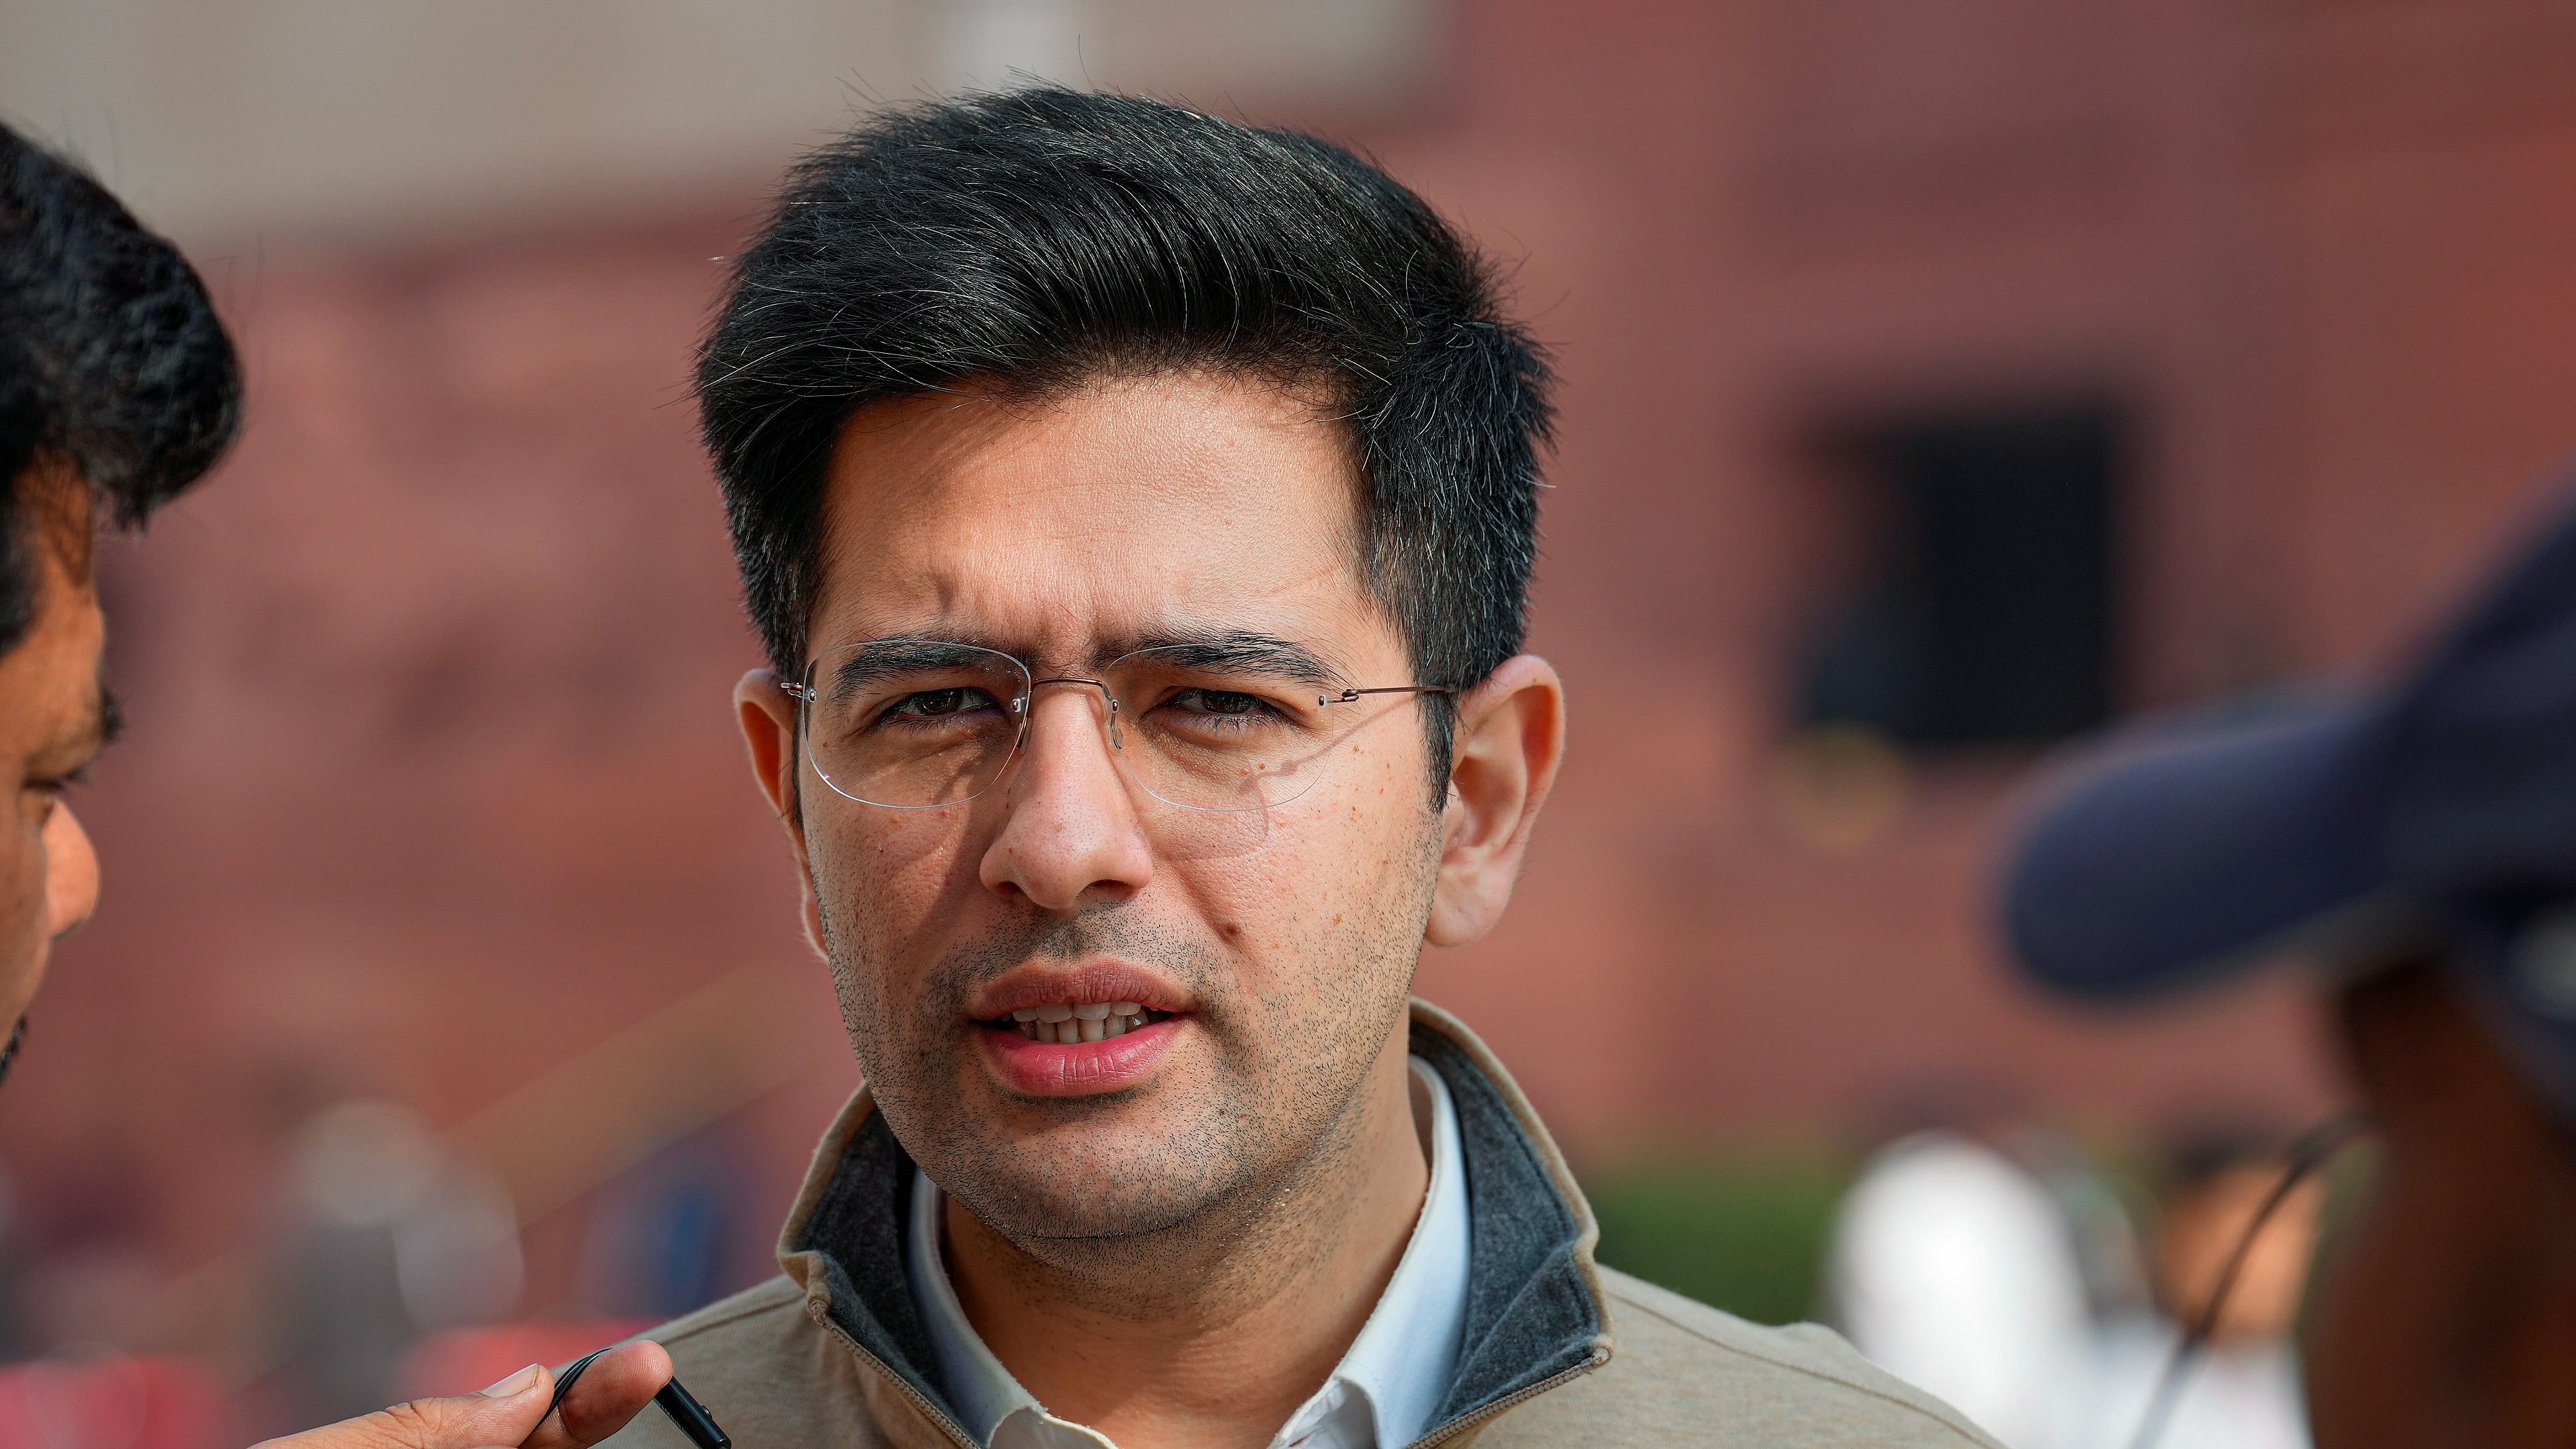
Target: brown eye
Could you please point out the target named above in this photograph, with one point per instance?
(1222, 701)
(1220, 709)
(940, 704)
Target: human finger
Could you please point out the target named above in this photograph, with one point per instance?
(611, 1391)
(504, 1414)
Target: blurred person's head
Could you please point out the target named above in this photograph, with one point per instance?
(1028, 402)
(2419, 839)
(2221, 1181)
(118, 389)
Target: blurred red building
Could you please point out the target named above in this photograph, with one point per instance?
(432, 787)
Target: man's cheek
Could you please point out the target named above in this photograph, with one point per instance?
(1263, 910)
(889, 898)
(1302, 932)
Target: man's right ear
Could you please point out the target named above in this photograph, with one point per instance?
(767, 715)
(768, 719)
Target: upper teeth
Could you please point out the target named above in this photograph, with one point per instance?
(1072, 1021)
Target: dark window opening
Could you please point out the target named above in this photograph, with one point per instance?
(1985, 610)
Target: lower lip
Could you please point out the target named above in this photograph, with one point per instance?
(1082, 1068)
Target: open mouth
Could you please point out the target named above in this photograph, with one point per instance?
(1069, 1022)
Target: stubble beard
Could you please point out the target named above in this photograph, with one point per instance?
(1237, 1152)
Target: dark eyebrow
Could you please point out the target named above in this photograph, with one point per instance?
(1232, 651)
(1237, 651)
(878, 659)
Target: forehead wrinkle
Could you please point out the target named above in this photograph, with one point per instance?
(916, 452)
(971, 595)
(1070, 626)
(969, 494)
(922, 450)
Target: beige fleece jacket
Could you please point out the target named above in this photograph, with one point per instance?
(782, 1369)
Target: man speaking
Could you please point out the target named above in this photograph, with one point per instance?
(118, 390)
(1138, 511)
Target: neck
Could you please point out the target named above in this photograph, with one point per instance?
(1214, 1330)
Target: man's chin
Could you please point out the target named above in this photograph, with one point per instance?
(1096, 1200)
(1115, 1174)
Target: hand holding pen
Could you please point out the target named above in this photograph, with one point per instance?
(532, 1408)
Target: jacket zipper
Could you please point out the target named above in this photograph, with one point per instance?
(935, 1414)
(1480, 1417)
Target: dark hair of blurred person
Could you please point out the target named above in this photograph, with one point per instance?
(118, 390)
(1104, 475)
(2417, 840)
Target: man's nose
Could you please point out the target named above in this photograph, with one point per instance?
(71, 873)
(1070, 834)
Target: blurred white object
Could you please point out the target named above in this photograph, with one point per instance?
(2238, 1396)
(384, 1237)
(1954, 1269)
(455, 1235)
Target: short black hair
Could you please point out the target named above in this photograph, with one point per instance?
(112, 361)
(1035, 237)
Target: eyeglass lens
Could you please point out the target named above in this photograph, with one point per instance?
(920, 723)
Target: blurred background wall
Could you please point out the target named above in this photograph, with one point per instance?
(1941, 380)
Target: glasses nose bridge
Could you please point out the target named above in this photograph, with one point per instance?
(1110, 707)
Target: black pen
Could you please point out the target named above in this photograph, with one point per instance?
(683, 1409)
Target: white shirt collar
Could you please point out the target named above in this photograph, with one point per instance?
(1381, 1395)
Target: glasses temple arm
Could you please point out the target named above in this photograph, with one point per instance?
(1349, 695)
